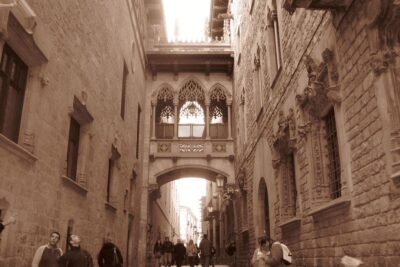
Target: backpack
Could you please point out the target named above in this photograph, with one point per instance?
(286, 254)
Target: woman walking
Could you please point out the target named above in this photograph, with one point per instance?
(192, 253)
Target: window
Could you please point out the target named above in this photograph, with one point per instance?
(257, 82)
(138, 131)
(274, 46)
(333, 155)
(115, 155)
(123, 95)
(13, 76)
(73, 148)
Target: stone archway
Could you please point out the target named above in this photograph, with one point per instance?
(179, 172)
(263, 206)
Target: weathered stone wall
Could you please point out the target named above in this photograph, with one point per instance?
(368, 228)
(86, 45)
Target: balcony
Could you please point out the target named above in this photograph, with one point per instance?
(166, 131)
(191, 148)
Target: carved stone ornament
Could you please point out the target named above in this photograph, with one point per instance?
(284, 139)
(322, 90)
(241, 179)
(380, 61)
(292, 5)
(383, 19)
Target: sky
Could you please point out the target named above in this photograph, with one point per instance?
(191, 17)
(190, 190)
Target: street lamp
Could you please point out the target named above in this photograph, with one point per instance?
(220, 181)
(210, 208)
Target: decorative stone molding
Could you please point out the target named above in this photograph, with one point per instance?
(380, 61)
(80, 112)
(292, 5)
(323, 90)
(382, 17)
(241, 179)
(218, 147)
(164, 147)
(154, 191)
(284, 141)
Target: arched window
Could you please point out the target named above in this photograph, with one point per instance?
(191, 111)
(165, 114)
(218, 114)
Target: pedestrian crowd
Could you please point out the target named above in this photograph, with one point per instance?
(50, 255)
(167, 254)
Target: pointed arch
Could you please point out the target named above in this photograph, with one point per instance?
(191, 90)
(217, 89)
(164, 88)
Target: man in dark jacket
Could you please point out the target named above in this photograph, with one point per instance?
(76, 257)
(110, 255)
(168, 249)
(179, 253)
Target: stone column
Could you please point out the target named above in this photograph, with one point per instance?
(207, 102)
(229, 120)
(153, 108)
(176, 118)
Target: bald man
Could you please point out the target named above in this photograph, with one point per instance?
(76, 257)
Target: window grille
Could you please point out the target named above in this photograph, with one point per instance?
(333, 155)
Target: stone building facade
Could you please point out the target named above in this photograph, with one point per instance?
(72, 92)
(316, 107)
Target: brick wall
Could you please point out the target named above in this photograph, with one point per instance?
(368, 228)
(86, 44)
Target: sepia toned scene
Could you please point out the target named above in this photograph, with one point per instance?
(213, 133)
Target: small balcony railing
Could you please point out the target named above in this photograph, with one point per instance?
(191, 130)
(197, 131)
(218, 131)
(165, 130)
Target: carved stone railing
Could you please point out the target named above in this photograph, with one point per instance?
(203, 148)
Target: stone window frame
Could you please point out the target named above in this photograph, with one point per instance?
(284, 164)
(273, 44)
(79, 112)
(112, 185)
(258, 84)
(320, 96)
(23, 34)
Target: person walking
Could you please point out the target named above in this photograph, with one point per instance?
(279, 256)
(179, 253)
(191, 250)
(205, 251)
(49, 254)
(261, 254)
(157, 251)
(109, 255)
(76, 257)
(168, 249)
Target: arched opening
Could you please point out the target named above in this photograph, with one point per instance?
(165, 117)
(191, 121)
(264, 214)
(218, 114)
